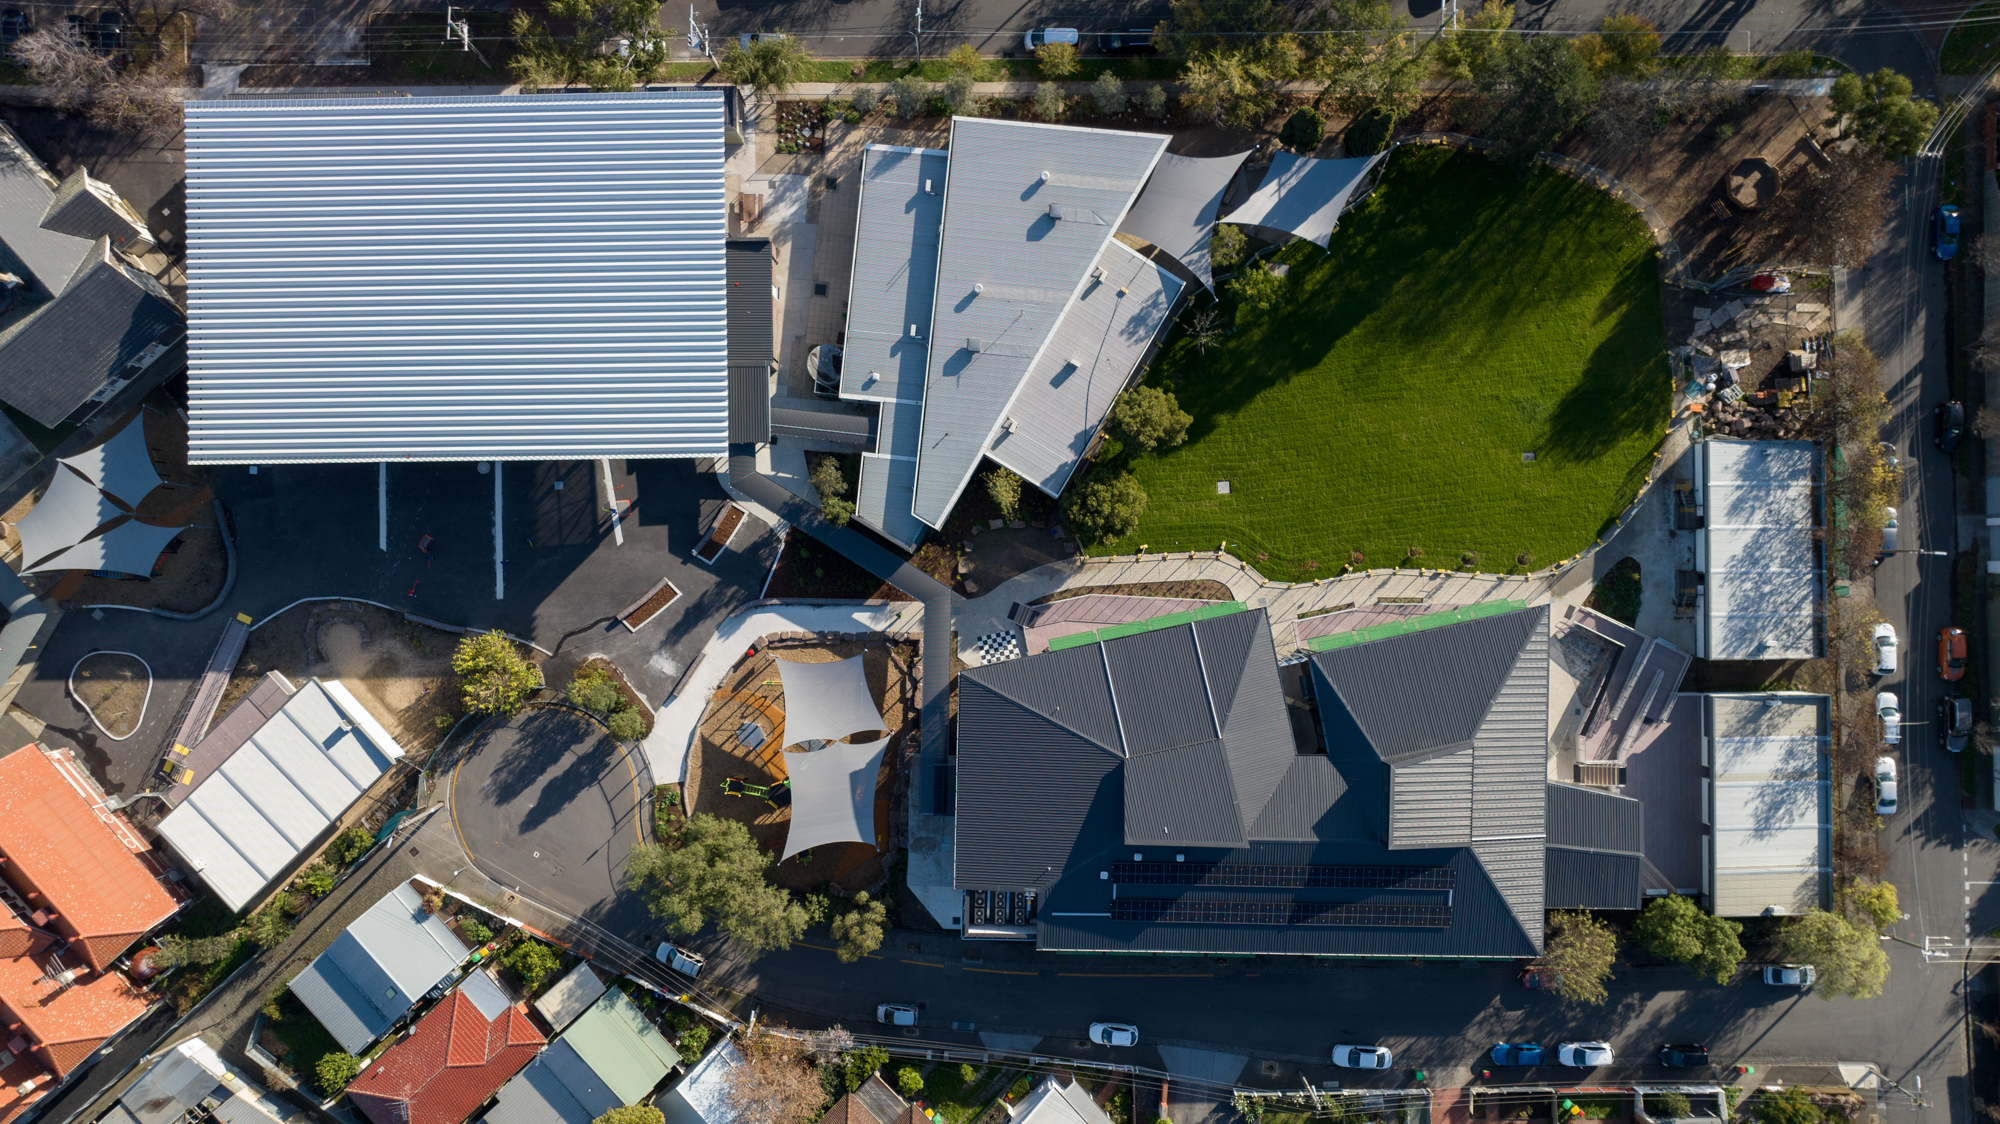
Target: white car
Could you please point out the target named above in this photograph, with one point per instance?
(1584, 1055)
(1885, 786)
(1114, 1034)
(1885, 648)
(1363, 1057)
(1891, 713)
(896, 1014)
(1790, 975)
(680, 960)
(1042, 35)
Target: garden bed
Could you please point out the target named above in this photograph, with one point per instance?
(1200, 590)
(719, 536)
(809, 569)
(114, 687)
(599, 663)
(649, 606)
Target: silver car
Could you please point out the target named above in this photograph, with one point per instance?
(1584, 1055)
(1800, 976)
(1363, 1057)
(1114, 1034)
(1885, 786)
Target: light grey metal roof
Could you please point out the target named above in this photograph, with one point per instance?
(279, 791)
(1303, 196)
(457, 278)
(1757, 546)
(1772, 803)
(750, 339)
(378, 968)
(1177, 210)
(1007, 183)
(1090, 357)
(833, 794)
(26, 189)
(570, 996)
(85, 208)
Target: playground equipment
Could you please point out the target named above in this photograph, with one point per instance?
(777, 795)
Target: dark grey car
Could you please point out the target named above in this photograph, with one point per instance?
(1954, 723)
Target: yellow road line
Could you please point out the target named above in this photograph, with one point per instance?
(923, 964)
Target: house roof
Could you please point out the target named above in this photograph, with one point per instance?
(457, 278)
(85, 208)
(873, 1103)
(378, 968)
(750, 339)
(451, 1062)
(279, 791)
(1758, 550)
(53, 834)
(702, 1096)
(1059, 1102)
(105, 314)
(1772, 803)
(626, 1051)
(50, 257)
(570, 996)
(1007, 182)
(68, 1021)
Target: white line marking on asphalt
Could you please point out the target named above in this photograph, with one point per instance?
(382, 505)
(611, 498)
(499, 549)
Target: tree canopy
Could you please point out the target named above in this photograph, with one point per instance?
(777, 1082)
(1579, 950)
(632, 1114)
(1627, 46)
(1832, 216)
(1466, 52)
(1108, 509)
(614, 45)
(1363, 56)
(773, 63)
(1536, 89)
(493, 676)
(1848, 958)
(860, 929)
(1676, 928)
(1146, 418)
(1879, 110)
(718, 873)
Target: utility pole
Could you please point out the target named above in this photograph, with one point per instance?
(918, 34)
(461, 30)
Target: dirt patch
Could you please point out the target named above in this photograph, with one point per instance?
(807, 569)
(113, 686)
(1202, 590)
(748, 706)
(400, 671)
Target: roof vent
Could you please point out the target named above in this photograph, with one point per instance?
(1055, 211)
(974, 343)
(914, 334)
(1045, 177)
(1097, 273)
(927, 188)
(979, 288)
(1009, 425)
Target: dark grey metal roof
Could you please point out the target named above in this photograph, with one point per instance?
(1160, 691)
(82, 209)
(1592, 820)
(1029, 789)
(102, 319)
(540, 1095)
(1182, 797)
(748, 271)
(49, 256)
(1593, 880)
(817, 425)
(1307, 804)
(1459, 667)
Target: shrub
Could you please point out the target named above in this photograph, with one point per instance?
(1789, 1105)
(966, 1073)
(1369, 133)
(592, 689)
(1256, 290)
(627, 725)
(632, 1114)
(958, 93)
(1303, 131)
(693, 1041)
(493, 674)
(1153, 100)
(532, 961)
(909, 93)
(1108, 509)
(866, 98)
(334, 1071)
(475, 929)
(317, 879)
(1050, 103)
(269, 927)
(1226, 246)
(852, 117)
(1058, 59)
(1005, 488)
(176, 951)
(909, 1082)
(1674, 1105)
(859, 1064)
(1109, 94)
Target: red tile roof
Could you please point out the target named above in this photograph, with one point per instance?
(63, 1024)
(77, 864)
(22, 1071)
(451, 1062)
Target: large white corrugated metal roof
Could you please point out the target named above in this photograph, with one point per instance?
(1772, 803)
(1760, 599)
(463, 278)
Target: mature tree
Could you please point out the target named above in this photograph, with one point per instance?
(909, 1082)
(1848, 405)
(532, 961)
(860, 929)
(1050, 102)
(632, 1114)
(1240, 87)
(1831, 216)
(1536, 90)
(1303, 131)
(857, 1066)
(493, 675)
(1363, 56)
(1226, 246)
(1369, 133)
(831, 483)
(1108, 509)
(1848, 958)
(144, 98)
(146, 20)
(1676, 928)
(777, 1082)
(334, 1071)
(1194, 26)
(909, 93)
(1467, 51)
(176, 951)
(615, 45)
(1005, 489)
(1879, 110)
(771, 65)
(1147, 418)
(1058, 60)
(1108, 94)
(717, 872)
(68, 69)
(1578, 950)
(1627, 47)
(1874, 903)
(1256, 289)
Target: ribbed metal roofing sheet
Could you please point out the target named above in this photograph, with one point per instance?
(460, 278)
(750, 339)
(1757, 548)
(378, 968)
(1595, 821)
(1772, 799)
(897, 225)
(1007, 183)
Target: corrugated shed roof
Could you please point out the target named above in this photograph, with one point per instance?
(457, 278)
(627, 1052)
(452, 1060)
(1090, 357)
(1007, 179)
(378, 968)
(570, 996)
(1177, 210)
(104, 317)
(751, 346)
(1770, 848)
(1757, 548)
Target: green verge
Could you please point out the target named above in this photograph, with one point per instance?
(1973, 43)
(1467, 313)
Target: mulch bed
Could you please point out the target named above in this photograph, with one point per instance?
(725, 526)
(1201, 590)
(808, 569)
(662, 596)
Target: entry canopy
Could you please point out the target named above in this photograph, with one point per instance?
(71, 509)
(1304, 197)
(827, 701)
(121, 466)
(833, 794)
(1177, 210)
(130, 547)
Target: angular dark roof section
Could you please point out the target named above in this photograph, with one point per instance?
(1158, 684)
(1070, 687)
(1586, 880)
(1595, 849)
(1242, 665)
(80, 212)
(105, 316)
(1027, 787)
(1312, 803)
(1183, 797)
(748, 271)
(1418, 693)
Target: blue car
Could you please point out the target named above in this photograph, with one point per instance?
(1522, 1054)
(1944, 232)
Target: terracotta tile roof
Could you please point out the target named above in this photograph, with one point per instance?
(64, 1024)
(23, 1070)
(452, 1061)
(57, 847)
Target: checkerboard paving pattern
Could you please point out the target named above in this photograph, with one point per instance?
(995, 647)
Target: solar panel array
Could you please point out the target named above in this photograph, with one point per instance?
(1284, 876)
(1155, 911)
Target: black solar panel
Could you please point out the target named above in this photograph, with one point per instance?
(1167, 912)
(1284, 876)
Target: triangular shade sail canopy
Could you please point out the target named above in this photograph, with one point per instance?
(833, 795)
(121, 466)
(1304, 197)
(827, 701)
(1177, 210)
(130, 547)
(69, 510)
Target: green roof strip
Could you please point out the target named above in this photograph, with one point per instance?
(1073, 640)
(1114, 631)
(1221, 609)
(1133, 628)
(1414, 624)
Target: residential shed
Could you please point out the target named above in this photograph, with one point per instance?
(377, 969)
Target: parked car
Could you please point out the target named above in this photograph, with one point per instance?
(896, 1014)
(750, 39)
(1951, 654)
(1885, 786)
(1944, 232)
(1363, 1057)
(1041, 35)
(1889, 456)
(1888, 533)
(1114, 1034)
(1584, 1055)
(1523, 1053)
(1954, 722)
(1138, 41)
(680, 960)
(1800, 976)
(1950, 425)
(1683, 1056)
(1885, 648)
(1891, 714)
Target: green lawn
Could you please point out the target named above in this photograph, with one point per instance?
(1467, 314)
(1973, 44)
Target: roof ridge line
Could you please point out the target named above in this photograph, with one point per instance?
(1055, 720)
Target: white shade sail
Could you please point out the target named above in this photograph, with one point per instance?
(833, 795)
(71, 509)
(827, 701)
(1177, 210)
(121, 465)
(1304, 197)
(130, 547)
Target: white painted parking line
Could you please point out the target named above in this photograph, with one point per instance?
(611, 498)
(499, 544)
(382, 505)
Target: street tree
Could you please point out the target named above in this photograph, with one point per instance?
(1675, 928)
(632, 1114)
(1873, 903)
(1879, 110)
(1196, 26)
(58, 60)
(1466, 52)
(1848, 958)
(1146, 418)
(860, 929)
(1239, 86)
(770, 65)
(1364, 57)
(1578, 950)
(776, 1083)
(1108, 94)
(1058, 60)
(1831, 216)
(965, 59)
(1108, 509)
(717, 873)
(1626, 46)
(144, 96)
(493, 676)
(1535, 90)
(613, 45)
